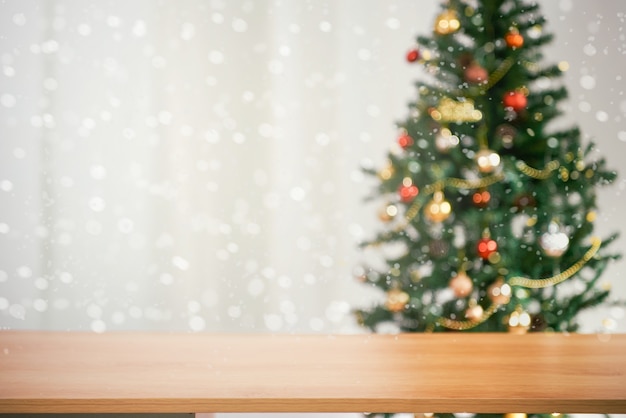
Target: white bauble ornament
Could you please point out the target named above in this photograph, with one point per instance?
(554, 242)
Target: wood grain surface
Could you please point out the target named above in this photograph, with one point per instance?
(147, 372)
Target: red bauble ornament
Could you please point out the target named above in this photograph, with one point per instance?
(413, 55)
(513, 39)
(481, 198)
(476, 74)
(405, 140)
(408, 193)
(515, 100)
(486, 247)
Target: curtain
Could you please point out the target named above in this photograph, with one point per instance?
(196, 165)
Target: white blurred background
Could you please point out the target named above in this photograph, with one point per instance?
(195, 165)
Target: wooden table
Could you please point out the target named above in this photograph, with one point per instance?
(63, 372)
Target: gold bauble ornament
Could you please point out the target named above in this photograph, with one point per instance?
(487, 161)
(461, 285)
(499, 292)
(396, 300)
(438, 209)
(415, 276)
(447, 22)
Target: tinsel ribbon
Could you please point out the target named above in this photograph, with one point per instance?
(499, 72)
(535, 173)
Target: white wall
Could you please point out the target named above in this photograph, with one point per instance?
(195, 166)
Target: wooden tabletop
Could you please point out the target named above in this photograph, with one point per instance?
(145, 372)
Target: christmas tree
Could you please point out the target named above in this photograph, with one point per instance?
(488, 204)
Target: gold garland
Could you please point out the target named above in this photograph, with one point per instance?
(463, 325)
(474, 184)
(499, 72)
(561, 277)
(535, 173)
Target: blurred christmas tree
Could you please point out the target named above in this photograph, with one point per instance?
(488, 206)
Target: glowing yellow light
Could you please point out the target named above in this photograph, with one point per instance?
(487, 161)
(447, 23)
(450, 110)
(386, 173)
